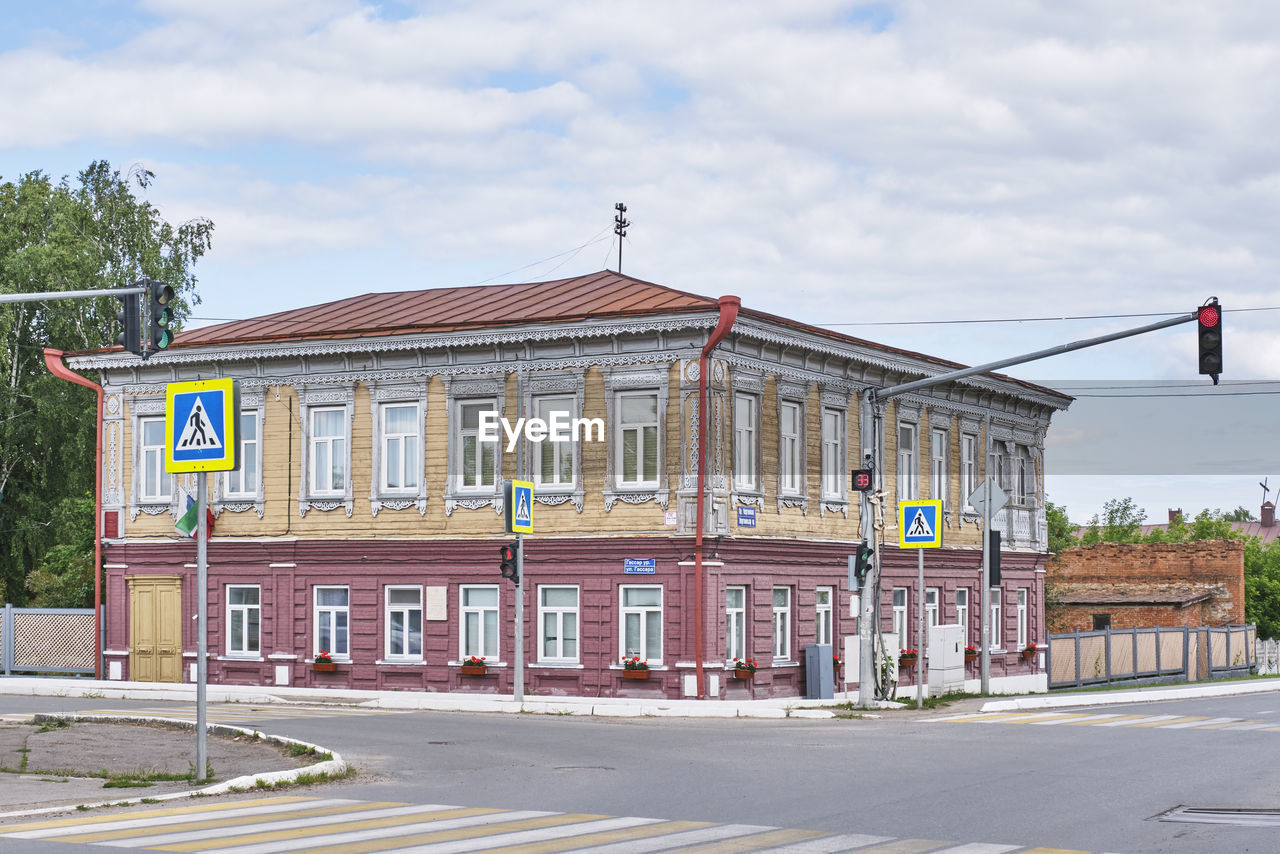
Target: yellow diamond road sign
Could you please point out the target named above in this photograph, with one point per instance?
(919, 524)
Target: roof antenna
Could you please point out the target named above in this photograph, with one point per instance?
(620, 224)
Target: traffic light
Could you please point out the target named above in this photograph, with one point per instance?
(1209, 334)
(862, 560)
(130, 319)
(993, 559)
(160, 298)
(861, 480)
(509, 568)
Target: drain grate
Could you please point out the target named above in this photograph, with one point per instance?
(1239, 817)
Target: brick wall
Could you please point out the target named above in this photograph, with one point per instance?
(1153, 573)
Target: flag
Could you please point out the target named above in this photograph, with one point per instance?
(187, 522)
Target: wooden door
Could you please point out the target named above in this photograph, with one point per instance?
(155, 628)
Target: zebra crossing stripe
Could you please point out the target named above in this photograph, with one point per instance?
(1142, 720)
(829, 844)
(714, 833)
(979, 848)
(754, 841)
(600, 836)
(151, 817)
(179, 834)
(904, 846)
(1211, 723)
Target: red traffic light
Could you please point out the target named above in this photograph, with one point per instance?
(1208, 316)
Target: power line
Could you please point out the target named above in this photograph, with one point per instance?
(1183, 394)
(1032, 319)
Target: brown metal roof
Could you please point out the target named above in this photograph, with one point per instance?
(603, 294)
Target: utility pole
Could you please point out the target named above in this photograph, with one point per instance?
(870, 424)
(620, 224)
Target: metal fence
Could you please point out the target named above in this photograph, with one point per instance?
(1268, 656)
(1118, 655)
(46, 640)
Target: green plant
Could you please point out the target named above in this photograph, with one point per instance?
(747, 665)
(323, 657)
(635, 664)
(473, 661)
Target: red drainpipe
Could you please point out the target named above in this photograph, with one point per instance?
(728, 314)
(53, 358)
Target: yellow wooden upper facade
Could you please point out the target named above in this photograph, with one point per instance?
(378, 437)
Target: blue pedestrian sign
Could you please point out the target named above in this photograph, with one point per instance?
(200, 426)
(919, 524)
(518, 507)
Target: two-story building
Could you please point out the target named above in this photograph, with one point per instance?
(365, 519)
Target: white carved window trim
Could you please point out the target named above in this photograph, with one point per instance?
(144, 466)
(746, 446)
(968, 468)
(833, 452)
(311, 399)
(908, 462)
(939, 470)
(382, 396)
(460, 391)
(787, 495)
(558, 384)
(651, 379)
(336, 446)
(224, 500)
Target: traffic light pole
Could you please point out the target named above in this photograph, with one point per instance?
(869, 431)
(57, 295)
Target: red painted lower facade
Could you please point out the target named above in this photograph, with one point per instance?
(782, 610)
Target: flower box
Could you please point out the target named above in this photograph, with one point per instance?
(907, 660)
(970, 657)
(324, 666)
(742, 673)
(635, 674)
(1028, 654)
(472, 669)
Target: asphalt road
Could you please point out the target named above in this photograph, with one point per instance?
(1084, 782)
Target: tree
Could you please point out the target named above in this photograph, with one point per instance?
(1240, 514)
(1061, 531)
(93, 234)
(1262, 586)
(1121, 522)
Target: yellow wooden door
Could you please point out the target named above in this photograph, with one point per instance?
(155, 628)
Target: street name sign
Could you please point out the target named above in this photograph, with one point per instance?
(919, 524)
(200, 420)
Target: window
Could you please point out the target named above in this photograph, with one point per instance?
(968, 467)
(789, 428)
(900, 615)
(404, 622)
(744, 441)
(479, 612)
(401, 460)
(642, 623)
(1022, 617)
(156, 484)
(558, 617)
(962, 612)
(824, 614)
(1021, 470)
(735, 623)
(555, 458)
(1101, 622)
(638, 438)
(328, 452)
(782, 623)
(908, 474)
(998, 470)
(832, 453)
(938, 465)
(477, 460)
(930, 607)
(244, 481)
(997, 632)
(332, 615)
(244, 619)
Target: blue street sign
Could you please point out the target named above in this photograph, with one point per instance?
(746, 517)
(639, 566)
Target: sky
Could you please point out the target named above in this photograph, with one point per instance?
(885, 169)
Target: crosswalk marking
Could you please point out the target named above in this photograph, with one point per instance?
(240, 713)
(1190, 722)
(276, 825)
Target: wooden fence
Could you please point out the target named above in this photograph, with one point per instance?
(1158, 654)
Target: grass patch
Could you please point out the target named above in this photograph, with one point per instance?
(50, 726)
(941, 701)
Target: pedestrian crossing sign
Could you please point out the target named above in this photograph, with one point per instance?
(519, 507)
(919, 524)
(200, 420)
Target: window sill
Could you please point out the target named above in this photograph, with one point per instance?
(486, 664)
(401, 662)
(282, 656)
(552, 665)
(336, 660)
(651, 667)
(239, 658)
(781, 663)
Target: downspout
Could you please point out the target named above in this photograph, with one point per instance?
(728, 314)
(53, 358)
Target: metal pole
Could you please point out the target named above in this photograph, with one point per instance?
(920, 628)
(866, 648)
(985, 661)
(519, 668)
(202, 607)
(50, 296)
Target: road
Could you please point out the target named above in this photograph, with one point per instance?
(1088, 780)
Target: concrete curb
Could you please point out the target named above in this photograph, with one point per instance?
(1115, 698)
(335, 766)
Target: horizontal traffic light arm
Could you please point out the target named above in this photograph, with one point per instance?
(50, 296)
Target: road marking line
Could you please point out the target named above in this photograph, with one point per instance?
(1219, 723)
(754, 841)
(145, 818)
(194, 833)
(1116, 720)
(1054, 851)
(904, 846)
(1248, 725)
(651, 827)
(830, 844)
(461, 832)
(1078, 721)
(1142, 720)
(979, 848)
(1182, 722)
(675, 840)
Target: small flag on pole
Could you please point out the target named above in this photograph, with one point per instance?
(187, 522)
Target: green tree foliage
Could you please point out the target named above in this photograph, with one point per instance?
(94, 233)
(1240, 514)
(1262, 586)
(1120, 522)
